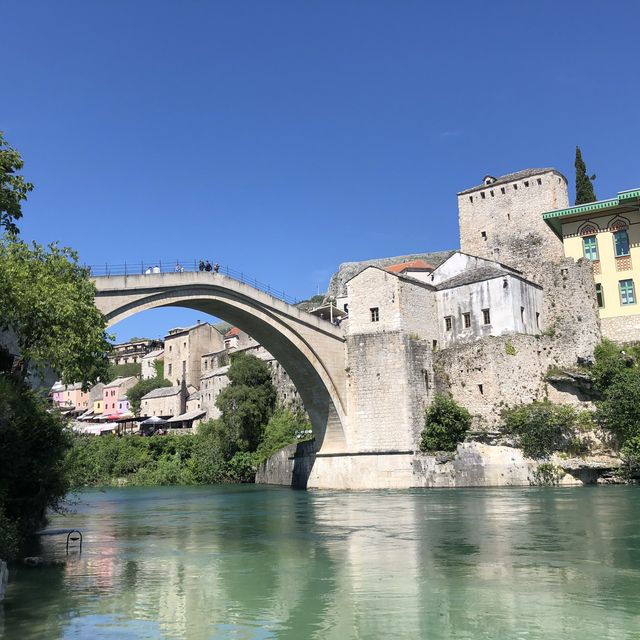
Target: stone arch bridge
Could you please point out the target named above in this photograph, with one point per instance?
(311, 350)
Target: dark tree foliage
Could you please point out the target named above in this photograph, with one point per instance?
(33, 444)
(584, 184)
(13, 188)
(446, 425)
(247, 403)
(616, 375)
(611, 360)
(619, 411)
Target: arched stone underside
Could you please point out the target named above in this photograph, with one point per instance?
(311, 350)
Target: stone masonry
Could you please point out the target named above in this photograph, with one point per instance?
(501, 219)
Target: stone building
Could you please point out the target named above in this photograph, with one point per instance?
(115, 391)
(183, 350)
(501, 219)
(148, 363)
(215, 367)
(607, 234)
(133, 351)
(477, 298)
(166, 402)
(483, 324)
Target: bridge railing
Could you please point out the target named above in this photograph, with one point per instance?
(185, 266)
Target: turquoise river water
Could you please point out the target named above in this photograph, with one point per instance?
(245, 562)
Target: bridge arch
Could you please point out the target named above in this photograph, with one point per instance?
(310, 350)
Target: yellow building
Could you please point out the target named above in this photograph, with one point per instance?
(607, 232)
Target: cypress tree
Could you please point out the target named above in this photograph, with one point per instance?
(584, 186)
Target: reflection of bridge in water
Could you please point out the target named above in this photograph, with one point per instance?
(311, 350)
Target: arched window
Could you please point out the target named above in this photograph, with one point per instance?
(588, 229)
(621, 243)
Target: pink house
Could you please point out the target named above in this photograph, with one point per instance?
(115, 391)
(57, 393)
(70, 396)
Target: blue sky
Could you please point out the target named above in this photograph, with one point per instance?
(285, 137)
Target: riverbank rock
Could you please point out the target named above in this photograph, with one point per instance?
(4, 578)
(39, 561)
(473, 464)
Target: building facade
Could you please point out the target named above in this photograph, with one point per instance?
(165, 402)
(501, 219)
(113, 392)
(70, 396)
(183, 351)
(148, 363)
(133, 351)
(607, 234)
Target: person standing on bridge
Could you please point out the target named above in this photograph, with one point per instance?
(201, 265)
(216, 268)
(207, 265)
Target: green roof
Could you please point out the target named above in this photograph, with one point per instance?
(555, 218)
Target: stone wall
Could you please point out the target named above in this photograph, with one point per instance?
(503, 221)
(388, 387)
(621, 329)
(289, 467)
(473, 465)
(497, 372)
(570, 311)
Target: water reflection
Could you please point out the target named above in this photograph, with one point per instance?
(258, 562)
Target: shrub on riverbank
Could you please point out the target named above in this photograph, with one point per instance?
(446, 425)
(207, 457)
(542, 428)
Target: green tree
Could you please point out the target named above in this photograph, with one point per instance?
(584, 184)
(611, 360)
(33, 444)
(47, 300)
(446, 425)
(283, 428)
(247, 402)
(619, 411)
(124, 370)
(631, 457)
(13, 188)
(141, 389)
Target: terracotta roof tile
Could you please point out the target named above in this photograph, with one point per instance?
(412, 265)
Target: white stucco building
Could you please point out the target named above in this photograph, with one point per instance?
(464, 299)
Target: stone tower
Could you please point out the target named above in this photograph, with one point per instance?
(501, 219)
